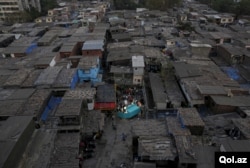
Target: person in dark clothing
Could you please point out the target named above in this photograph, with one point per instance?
(123, 137)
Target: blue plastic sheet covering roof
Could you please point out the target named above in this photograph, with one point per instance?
(232, 72)
(53, 102)
(31, 48)
(74, 81)
(181, 120)
(91, 74)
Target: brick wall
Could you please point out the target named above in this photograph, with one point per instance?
(65, 54)
(219, 109)
(239, 92)
(20, 54)
(75, 50)
(92, 53)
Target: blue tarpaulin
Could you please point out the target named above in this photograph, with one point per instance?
(181, 121)
(74, 81)
(31, 48)
(231, 72)
(53, 102)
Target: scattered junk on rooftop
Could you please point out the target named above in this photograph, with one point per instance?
(129, 102)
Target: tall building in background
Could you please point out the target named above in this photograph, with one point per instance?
(10, 9)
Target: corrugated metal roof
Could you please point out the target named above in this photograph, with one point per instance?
(157, 148)
(174, 127)
(183, 70)
(157, 88)
(93, 45)
(138, 61)
(233, 50)
(11, 107)
(232, 101)
(64, 152)
(69, 107)
(17, 80)
(88, 62)
(152, 128)
(231, 145)
(21, 94)
(117, 55)
(121, 69)
(119, 45)
(64, 78)
(106, 93)
(83, 93)
(67, 47)
(48, 76)
(218, 35)
(190, 117)
(211, 90)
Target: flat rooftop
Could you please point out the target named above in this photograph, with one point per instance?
(106, 93)
(69, 107)
(83, 93)
(157, 88)
(190, 117)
